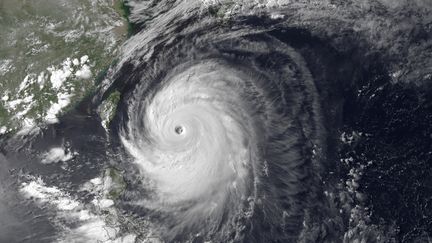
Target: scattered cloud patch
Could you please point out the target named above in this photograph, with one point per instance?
(43, 96)
(84, 59)
(3, 130)
(5, 97)
(63, 100)
(5, 66)
(91, 225)
(75, 62)
(58, 154)
(59, 76)
(84, 72)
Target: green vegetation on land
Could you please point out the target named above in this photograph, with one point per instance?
(108, 108)
(37, 37)
(118, 184)
(124, 9)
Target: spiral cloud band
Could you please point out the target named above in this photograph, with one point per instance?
(238, 121)
(197, 143)
(233, 118)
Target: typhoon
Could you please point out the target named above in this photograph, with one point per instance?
(223, 131)
(247, 121)
(202, 139)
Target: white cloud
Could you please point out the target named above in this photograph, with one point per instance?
(5, 97)
(91, 227)
(55, 108)
(55, 155)
(5, 66)
(3, 130)
(75, 62)
(84, 72)
(41, 79)
(84, 59)
(25, 83)
(59, 76)
(103, 203)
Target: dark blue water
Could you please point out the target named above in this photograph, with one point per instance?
(318, 85)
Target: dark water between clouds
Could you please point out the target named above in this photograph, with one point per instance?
(311, 93)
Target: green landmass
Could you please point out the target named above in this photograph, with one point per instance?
(118, 184)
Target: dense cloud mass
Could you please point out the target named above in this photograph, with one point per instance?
(264, 121)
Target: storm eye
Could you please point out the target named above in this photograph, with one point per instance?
(179, 130)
